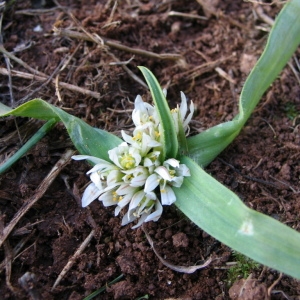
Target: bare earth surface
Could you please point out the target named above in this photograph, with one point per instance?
(208, 59)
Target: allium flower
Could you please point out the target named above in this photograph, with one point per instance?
(125, 157)
(171, 173)
(135, 177)
(179, 114)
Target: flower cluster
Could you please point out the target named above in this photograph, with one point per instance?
(135, 176)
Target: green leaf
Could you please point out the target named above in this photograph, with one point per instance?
(3, 108)
(283, 41)
(168, 135)
(28, 145)
(220, 213)
(86, 139)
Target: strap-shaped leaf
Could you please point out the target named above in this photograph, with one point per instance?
(168, 134)
(86, 139)
(28, 145)
(283, 40)
(219, 212)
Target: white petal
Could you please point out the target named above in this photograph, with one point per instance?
(116, 152)
(103, 166)
(172, 162)
(136, 199)
(127, 218)
(117, 210)
(141, 220)
(148, 142)
(125, 189)
(163, 173)
(189, 117)
(126, 137)
(165, 92)
(126, 199)
(151, 183)
(177, 181)
(151, 196)
(139, 180)
(156, 214)
(140, 209)
(183, 106)
(113, 178)
(167, 196)
(107, 199)
(183, 170)
(97, 181)
(93, 159)
(148, 162)
(90, 194)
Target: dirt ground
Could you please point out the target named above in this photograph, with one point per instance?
(203, 48)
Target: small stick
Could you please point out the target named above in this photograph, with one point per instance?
(129, 72)
(7, 62)
(185, 15)
(210, 10)
(17, 249)
(273, 285)
(47, 80)
(223, 74)
(8, 259)
(199, 70)
(71, 261)
(40, 191)
(65, 85)
(88, 37)
(20, 62)
(112, 13)
(261, 14)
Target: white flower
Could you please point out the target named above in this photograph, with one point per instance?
(141, 207)
(179, 114)
(97, 175)
(120, 195)
(135, 179)
(143, 113)
(125, 157)
(141, 141)
(171, 173)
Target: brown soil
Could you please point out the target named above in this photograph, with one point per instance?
(261, 165)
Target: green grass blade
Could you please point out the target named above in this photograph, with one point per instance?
(283, 41)
(86, 139)
(28, 145)
(102, 289)
(168, 134)
(219, 212)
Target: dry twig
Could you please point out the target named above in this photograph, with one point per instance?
(71, 261)
(92, 38)
(209, 9)
(40, 191)
(198, 71)
(20, 62)
(186, 15)
(65, 85)
(274, 284)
